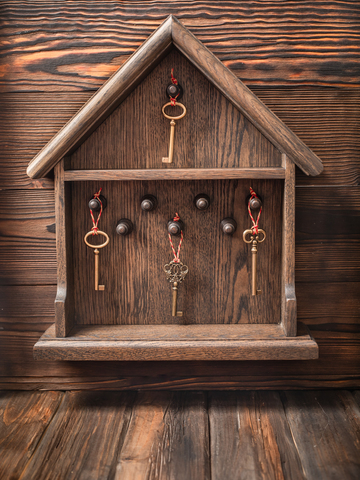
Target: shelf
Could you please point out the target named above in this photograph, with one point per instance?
(176, 342)
(176, 174)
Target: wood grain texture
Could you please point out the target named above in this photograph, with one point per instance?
(27, 237)
(288, 296)
(248, 104)
(24, 417)
(162, 344)
(303, 44)
(84, 437)
(212, 134)
(327, 120)
(178, 174)
(325, 427)
(250, 438)
(164, 430)
(216, 291)
(118, 87)
(64, 302)
(72, 47)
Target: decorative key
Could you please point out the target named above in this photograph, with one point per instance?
(96, 252)
(169, 159)
(255, 238)
(175, 274)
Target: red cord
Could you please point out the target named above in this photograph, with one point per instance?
(255, 227)
(175, 82)
(95, 224)
(176, 255)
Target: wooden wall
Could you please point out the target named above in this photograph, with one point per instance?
(300, 58)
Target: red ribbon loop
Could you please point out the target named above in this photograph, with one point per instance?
(95, 224)
(176, 254)
(255, 227)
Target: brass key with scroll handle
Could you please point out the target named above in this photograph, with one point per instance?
(169, 159)
(175, 274)
(255, 238)
(96, 252)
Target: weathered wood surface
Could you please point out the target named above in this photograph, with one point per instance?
(83, 438)
(326, 429)
(180, 435)
(24, 417)
(250, 438)
(138, 293)
(246, 119)
(167, 438)
(287, 54)
(78, 46)
(327, 120)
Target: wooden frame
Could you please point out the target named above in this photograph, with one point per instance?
(68, 341)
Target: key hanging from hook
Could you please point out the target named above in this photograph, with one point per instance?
(254, 235)
(175, 270)
(174, 91)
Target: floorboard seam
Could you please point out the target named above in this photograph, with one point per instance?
(43, 434)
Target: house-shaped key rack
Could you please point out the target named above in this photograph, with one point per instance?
(227, 142)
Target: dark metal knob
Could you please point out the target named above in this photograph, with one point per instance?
(174, 228)
(202, 201)
(94, 204)
(124, 227)
(148, 203)
(174, 91)
(228, 226)
(255, 202)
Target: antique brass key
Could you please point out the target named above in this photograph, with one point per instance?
(96, 252)
(175, 274)
(169, 159)
(255, 238)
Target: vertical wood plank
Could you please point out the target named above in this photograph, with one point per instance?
(288, 297)
(250, 438)
(64, 302)
(326, 428)
(167, 438)
(83, 439)
(24, 416)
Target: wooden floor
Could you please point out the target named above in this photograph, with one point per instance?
(180, 435)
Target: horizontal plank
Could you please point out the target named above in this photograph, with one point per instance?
(192, 382)
(334, 306)
(175, 174)
(27, 237)
(27, 301)
(164, 342)
(77, 46)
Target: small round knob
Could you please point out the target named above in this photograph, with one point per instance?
(228, 226)
(174, 228)
(124, 227)
(255, 202)
(148, 203)
(174, 91)
(94, 204)
(202, 201)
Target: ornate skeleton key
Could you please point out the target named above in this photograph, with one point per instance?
(169, 159)
(175, 274)
(96, 252)
(255, 239)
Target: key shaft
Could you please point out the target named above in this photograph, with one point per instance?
(169, 158)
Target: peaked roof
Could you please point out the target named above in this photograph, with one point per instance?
(136, 68)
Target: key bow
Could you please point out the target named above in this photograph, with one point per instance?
(254, 237)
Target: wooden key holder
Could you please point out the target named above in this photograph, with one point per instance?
(132, 318)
